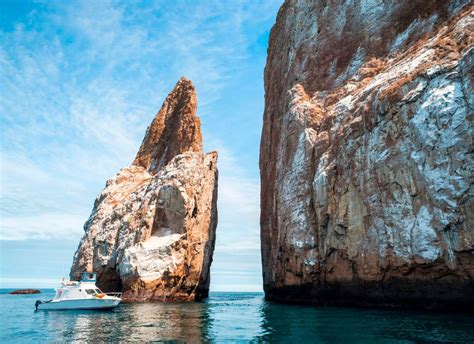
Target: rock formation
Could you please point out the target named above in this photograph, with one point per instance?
(25, 291)
(366, 154)
(151, 233)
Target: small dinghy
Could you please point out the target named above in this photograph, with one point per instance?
(81, 294)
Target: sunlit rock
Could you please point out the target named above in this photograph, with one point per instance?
(366, 154)
(151, 233)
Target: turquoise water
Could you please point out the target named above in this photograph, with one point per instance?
(226, 317)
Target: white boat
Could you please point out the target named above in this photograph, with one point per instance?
(82, 294)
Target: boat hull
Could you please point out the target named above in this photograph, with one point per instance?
(79, 304)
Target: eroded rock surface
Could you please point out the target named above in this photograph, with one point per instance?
(175, 129)
(366, 154)
(152, 230)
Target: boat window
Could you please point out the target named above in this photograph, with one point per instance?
(90, 291)
(98, 291)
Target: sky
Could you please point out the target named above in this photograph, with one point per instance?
(80, 81)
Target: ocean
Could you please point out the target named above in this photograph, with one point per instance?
(226, 317)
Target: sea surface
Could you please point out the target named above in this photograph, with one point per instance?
(226, 317)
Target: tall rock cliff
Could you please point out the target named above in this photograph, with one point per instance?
(151, 233)
(366, 154)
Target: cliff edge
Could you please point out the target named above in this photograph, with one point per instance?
(366, 154)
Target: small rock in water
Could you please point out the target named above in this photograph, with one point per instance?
(25, 291)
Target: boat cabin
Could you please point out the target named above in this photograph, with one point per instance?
(79, 289)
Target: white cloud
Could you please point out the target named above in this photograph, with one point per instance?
(238, 202)
(80, 84)
(72, 117)
(236, 265)
(7, 282)
(42, 226)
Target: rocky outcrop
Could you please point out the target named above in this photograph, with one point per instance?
(366, 154)
(175, 130)
(151, 233)
(25, 292)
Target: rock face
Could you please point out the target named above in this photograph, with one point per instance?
(151, 233)
(175, 130)
(366, 154)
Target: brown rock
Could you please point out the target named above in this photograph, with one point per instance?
(151, 233)
(176, 129)
(25, 291)
(366, 154)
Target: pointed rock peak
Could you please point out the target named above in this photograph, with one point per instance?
(175, 129)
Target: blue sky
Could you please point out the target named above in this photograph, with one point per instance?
(79, 83)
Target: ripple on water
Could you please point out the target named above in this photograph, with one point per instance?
(236, 317)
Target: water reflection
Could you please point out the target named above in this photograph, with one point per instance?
(234, 317)
(168, 321)
(227, 317)
(133, 322)
(284, 323)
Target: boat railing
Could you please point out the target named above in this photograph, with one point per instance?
(116, 294)
(69, 283)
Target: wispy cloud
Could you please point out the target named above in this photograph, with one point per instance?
(80, 83)
(42, 226)
(8, 282)
(238, 204)
(236, 265)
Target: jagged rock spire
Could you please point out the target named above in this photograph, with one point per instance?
(175, 129)
(152, 230)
